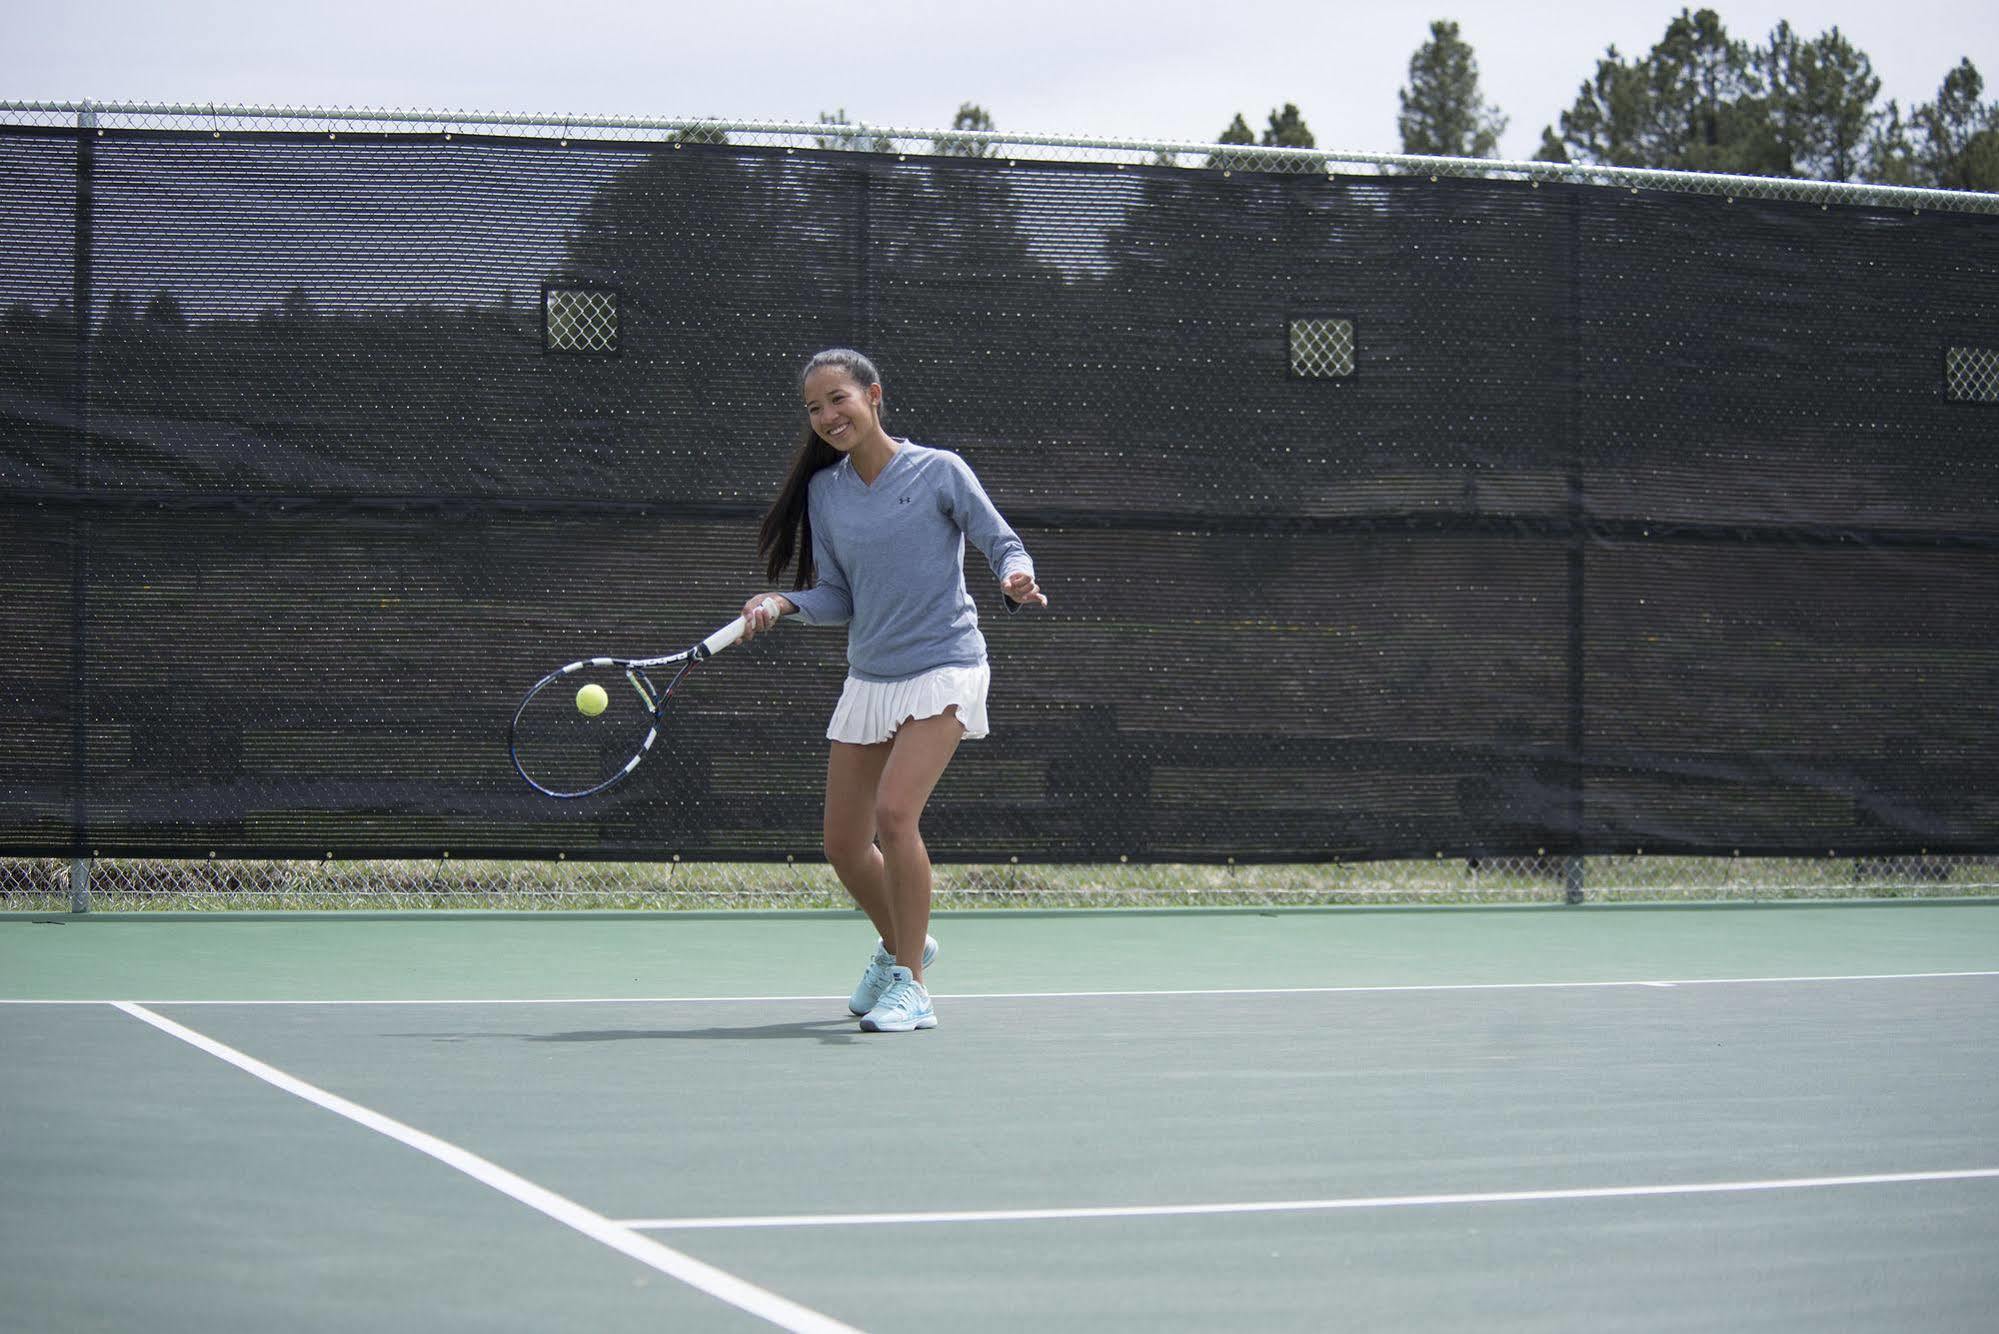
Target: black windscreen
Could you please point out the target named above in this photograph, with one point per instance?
(1381, 516)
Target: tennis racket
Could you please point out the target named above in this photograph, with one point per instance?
(585, 727)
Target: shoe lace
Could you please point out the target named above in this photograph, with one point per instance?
(898, 995)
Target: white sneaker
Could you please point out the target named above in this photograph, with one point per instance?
(904, 1006)
(875, 981)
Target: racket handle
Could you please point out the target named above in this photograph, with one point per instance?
(733, 631)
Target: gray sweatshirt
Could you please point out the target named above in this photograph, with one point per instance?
(890, 558)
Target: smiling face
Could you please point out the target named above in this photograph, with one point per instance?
(843, 412)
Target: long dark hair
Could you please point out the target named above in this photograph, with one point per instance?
(787, 527)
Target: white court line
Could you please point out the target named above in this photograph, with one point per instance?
(722, 1286)
(1072, 995)
(1461, 986)
(1296, 1206)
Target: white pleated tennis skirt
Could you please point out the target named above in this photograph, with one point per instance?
(869, 712)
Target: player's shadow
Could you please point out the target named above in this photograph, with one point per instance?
(836, 1032)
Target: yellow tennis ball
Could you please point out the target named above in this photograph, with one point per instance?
(592, 700)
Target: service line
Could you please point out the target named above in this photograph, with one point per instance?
(1131, 993)
(1298, 1206)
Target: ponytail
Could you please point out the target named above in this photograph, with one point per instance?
(787, 527)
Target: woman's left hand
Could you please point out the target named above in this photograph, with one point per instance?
(1021, 588)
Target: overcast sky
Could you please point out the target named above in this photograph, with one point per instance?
(1157, 69)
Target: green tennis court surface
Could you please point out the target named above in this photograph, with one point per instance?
(1778, 1118)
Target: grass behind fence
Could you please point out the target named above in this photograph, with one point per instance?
(121, 885)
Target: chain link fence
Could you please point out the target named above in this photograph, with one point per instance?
(336, 123)
(221, 885)
(1971, 374)
(586, 321)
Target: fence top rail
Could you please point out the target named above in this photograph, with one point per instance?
(993, 144)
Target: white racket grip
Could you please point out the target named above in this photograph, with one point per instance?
(733, 631)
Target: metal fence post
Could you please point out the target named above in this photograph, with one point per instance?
(1578, 520)
(79, 662)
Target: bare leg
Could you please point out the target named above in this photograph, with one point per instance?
(853, 773)
(919, 752)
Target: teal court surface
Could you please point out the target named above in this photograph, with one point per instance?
(1618, 1118)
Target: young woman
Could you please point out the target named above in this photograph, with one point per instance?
(878, 526)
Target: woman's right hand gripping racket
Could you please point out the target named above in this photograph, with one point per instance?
(586, 726)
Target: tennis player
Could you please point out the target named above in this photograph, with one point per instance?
(878, 525)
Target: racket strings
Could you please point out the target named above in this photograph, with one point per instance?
(576, 733)
(563, 748)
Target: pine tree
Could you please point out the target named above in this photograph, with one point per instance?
(121, 316)
(1694, 103)
(164, 311)
(847, 137)
(1956, 137)
(1890, 158)
(1443, 111)
(1819, 103)
(1238, 132)
(971, 116)
(1705, 112)
(1605, 124)
(1287, 129)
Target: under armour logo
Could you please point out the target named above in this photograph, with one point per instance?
(904, 500)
